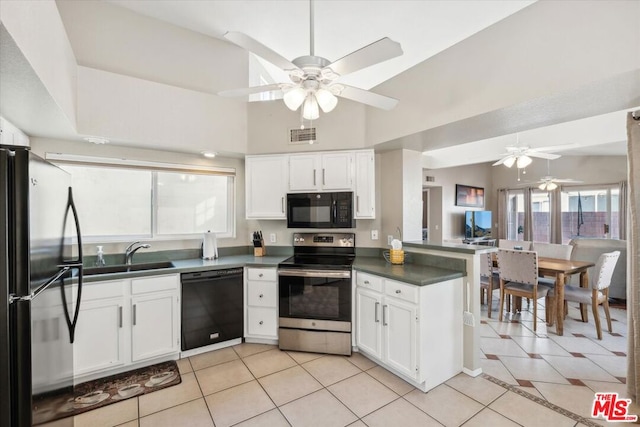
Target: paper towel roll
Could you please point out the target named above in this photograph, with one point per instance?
(209, 246)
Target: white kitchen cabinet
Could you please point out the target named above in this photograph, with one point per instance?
(261, 313)
(266, 186)
(365, 188)
(155, 319)
(303, 172)
(337, 171)
(330, 171)
(368, 323)
(414, 331)
(99, 336)
(125, 323)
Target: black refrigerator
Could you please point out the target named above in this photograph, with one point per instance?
(40, 285)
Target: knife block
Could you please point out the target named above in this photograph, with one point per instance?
(261, 250)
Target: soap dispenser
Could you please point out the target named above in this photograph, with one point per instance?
(100, 258)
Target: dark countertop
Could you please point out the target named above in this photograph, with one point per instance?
(450, 247)
(415, 274)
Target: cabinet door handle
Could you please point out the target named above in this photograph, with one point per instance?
(134, 315)
(314, 177)
(260, 296)
(323, 183)
(261, 322)
(384, 316)
(398, 291)
(260, 275)
(282, 203)
(357, 203)
(120, 316)
(366, 282)
(376, 312)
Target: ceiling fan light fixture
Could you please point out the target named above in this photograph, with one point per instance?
(551, 186)
(510, 161)
(543, 186)
(326, 100)
(523, 161)
(294, 98)
(310, 109)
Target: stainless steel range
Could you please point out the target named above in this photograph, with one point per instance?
(315, 294)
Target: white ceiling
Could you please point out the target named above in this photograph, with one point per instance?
(423, 28)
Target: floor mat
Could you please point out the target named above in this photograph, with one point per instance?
(104, 391)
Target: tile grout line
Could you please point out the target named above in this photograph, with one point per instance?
(542, 402)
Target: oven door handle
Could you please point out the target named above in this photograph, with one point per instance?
(315, 273)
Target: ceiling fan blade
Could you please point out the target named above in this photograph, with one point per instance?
(541, 155)
(551, 148)
(259, 49)
(369, 98)
(367, 56)
(501, 161)
(249, 90)
(566, 180)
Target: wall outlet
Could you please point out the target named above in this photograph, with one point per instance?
(374, 234)
(272, 237)
(389, 239)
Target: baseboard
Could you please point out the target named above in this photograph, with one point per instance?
(473, 373)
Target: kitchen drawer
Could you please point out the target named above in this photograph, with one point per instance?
(261, 294)
(154, 284)
(263, 274)
(101, 290)
(401, 290)
(262, 321)
(369, 281)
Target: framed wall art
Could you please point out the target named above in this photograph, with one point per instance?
(469, 196)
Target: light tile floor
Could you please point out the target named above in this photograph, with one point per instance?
(535, 379)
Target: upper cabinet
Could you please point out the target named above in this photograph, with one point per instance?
(270, 177)
(365, 188)
(266, 186)
(321, 172)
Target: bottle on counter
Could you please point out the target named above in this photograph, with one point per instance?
(100, 258)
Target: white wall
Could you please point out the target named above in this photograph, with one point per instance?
(37, 29)
(452, 226)
(342, 129)
(548, 48)
(137, 111)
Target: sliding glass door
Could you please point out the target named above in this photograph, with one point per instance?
(590, 212)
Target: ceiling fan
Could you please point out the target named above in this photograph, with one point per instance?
(521, 155)
(549, 183)
(314, 78)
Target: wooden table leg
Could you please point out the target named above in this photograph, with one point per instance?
(560, 303)
(584, 283)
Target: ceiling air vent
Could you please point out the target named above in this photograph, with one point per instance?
(302, 136)
(429, 178)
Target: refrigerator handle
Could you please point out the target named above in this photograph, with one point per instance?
(77, 264)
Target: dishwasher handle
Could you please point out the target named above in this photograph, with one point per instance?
(211, 275)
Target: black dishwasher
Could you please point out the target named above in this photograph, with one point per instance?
(211, 307)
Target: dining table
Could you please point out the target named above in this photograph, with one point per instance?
(561, 269)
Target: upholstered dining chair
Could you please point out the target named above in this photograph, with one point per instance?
(488, 279)
(512, 244)
(598, 292)
(519, 278)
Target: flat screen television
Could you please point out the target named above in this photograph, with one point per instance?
(477, 224)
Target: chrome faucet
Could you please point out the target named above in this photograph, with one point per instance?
(132, 249)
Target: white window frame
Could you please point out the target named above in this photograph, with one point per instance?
(153, 167)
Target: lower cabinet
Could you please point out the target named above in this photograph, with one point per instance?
(125, 322)
(261, 321)
(415, 331)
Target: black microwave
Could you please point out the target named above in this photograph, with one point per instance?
(320, 210)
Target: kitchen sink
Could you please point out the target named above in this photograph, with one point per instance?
(124, 268)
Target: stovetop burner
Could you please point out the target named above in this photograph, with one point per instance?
(321, 251)
(317, 262)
